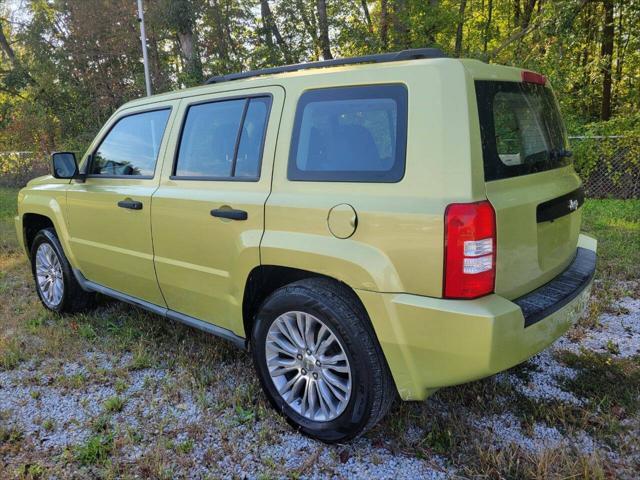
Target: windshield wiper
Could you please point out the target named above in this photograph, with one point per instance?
(560, 153)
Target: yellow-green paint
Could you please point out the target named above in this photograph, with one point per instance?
(174, 254)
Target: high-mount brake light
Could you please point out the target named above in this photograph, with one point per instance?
(533, 77)
(470, 250)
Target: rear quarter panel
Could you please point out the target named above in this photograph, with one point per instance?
(398, 243)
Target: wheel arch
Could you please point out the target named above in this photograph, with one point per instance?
(32, 223)
(263, 280)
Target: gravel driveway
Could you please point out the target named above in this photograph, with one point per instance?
(111, 413)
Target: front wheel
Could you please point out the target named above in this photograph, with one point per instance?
(56, 285)
(319, 361)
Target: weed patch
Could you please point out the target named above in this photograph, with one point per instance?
(95, 451)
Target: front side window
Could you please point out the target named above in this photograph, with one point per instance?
(350, 134)
(521, 128)
(132, 145)
(223, 139)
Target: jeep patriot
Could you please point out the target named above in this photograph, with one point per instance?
(367, 228)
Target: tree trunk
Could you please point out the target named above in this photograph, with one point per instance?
(463, 5)
(181, 18)
(400, 24)
(191, 55)
(607, 56)
(384, 24)
(430, 32)
(159, 79)
(323, 25)
(270, 23)
(487, 26)
(266, 26)
(367, 15)
(6, 47)
(528, 11)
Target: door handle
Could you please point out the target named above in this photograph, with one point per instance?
(229, 213)
(130, 204)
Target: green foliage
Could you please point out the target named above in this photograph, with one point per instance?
(65, 70)
(17, 168)
(605, 139)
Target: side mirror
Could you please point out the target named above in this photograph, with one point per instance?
(64, 165)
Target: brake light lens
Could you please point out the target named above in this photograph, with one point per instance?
(470, 250)
(533, 77)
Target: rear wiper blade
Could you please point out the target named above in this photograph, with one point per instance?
(559, 153)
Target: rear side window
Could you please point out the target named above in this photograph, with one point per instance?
(131, 147)
(223, 139)
(521, 129)
(350, 134)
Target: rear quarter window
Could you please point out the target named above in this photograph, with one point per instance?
(350, 134)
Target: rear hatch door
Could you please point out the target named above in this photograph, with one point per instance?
(530, 182)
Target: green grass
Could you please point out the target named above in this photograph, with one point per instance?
(607, 382)
(114, 404)
(8, 202)
(616, 225)
(95, 451)
(8, 210)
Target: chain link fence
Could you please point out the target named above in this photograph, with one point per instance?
(609, 166)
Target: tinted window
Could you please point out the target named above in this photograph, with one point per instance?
(131, 147)
(521, 128)
(223, 139)
(356, 134)
(253, 129)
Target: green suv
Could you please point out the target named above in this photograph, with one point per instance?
(368, 228)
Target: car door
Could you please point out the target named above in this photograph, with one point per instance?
(110, 212)
(208, 213)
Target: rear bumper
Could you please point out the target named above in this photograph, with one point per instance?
(431, 343)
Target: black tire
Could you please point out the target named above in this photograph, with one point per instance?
(373, 390)
(74, 298)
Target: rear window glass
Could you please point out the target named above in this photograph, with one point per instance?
(350, 134)
(223, 139)
(521, 128)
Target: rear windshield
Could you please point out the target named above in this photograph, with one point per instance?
(521, 128)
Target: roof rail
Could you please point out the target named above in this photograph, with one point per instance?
(414, 54)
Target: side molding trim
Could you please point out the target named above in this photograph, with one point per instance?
(90, 286)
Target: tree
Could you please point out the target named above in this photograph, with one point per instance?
(606, 54)
(323, 25)
(458, 47)
(65, 69)
(180, 18)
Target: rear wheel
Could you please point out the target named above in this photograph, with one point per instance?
(319, 361)
(56, 285)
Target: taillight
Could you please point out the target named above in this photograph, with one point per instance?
(533, 77)
(470, 250)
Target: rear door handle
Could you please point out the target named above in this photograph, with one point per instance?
(130, 204)
(231, 214)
